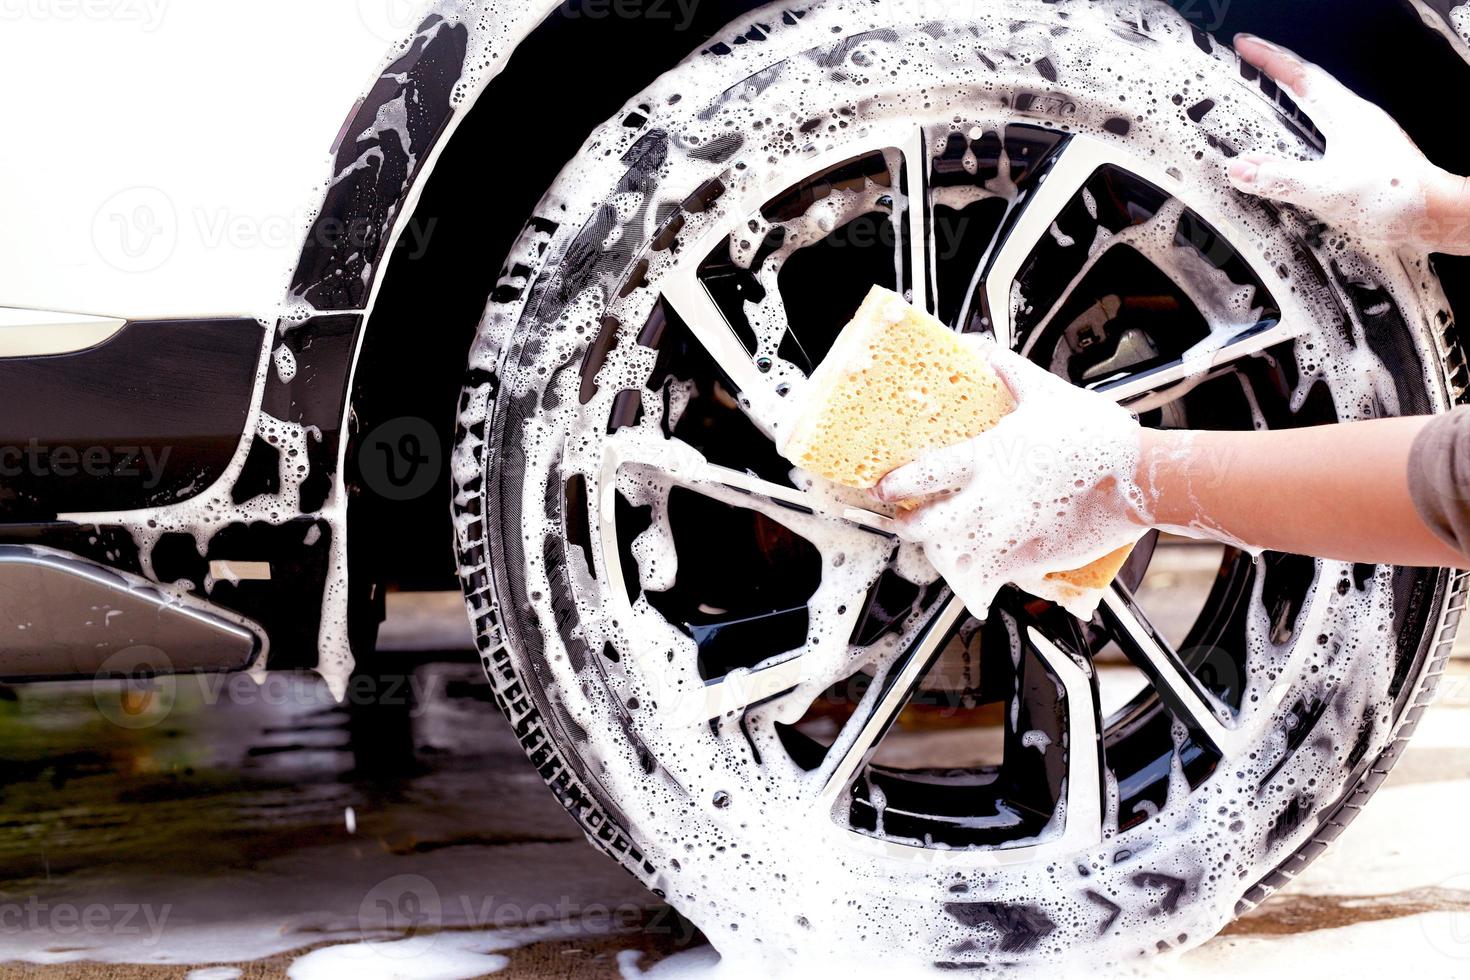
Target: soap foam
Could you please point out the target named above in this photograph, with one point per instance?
(729, 822)
(1050, 486)
(1372, 180)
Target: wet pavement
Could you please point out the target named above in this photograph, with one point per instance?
(216, 828)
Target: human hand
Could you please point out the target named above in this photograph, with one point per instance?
(1372, 180)
(1050, 488)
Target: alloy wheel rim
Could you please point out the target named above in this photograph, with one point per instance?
(1053, 172)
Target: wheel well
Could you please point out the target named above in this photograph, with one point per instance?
(444, 264)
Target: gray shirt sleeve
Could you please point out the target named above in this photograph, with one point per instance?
(1439, 477)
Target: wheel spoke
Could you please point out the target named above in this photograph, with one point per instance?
(685, 466)
(919, 259)
(858, 741)
(1210, 358)
(740, 689)
(1177, 687)
(1031, 216)
(1083, 794)
(711, 479)
(691, 302)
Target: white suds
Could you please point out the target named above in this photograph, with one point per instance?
(1371, 180)
(1050, 488)
(733, 829)
(285, 364)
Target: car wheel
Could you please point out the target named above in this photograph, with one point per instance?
(706, 653)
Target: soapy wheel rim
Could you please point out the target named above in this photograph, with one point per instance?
(1069, 801)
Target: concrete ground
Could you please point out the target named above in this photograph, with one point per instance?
(216, 829)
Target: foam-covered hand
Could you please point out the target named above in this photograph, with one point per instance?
(1048, 489)
(1372, 180)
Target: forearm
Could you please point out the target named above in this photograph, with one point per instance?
(1338, 491)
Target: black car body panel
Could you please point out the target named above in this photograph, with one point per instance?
(148, 418)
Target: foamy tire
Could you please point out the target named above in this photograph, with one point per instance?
(706, 810)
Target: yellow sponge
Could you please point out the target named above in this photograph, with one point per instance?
(896, 384)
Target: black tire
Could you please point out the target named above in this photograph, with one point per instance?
(642, 181)
(1449, 18)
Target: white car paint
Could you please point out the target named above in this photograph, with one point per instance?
(161, 156)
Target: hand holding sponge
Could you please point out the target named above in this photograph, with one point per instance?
(898, 385)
